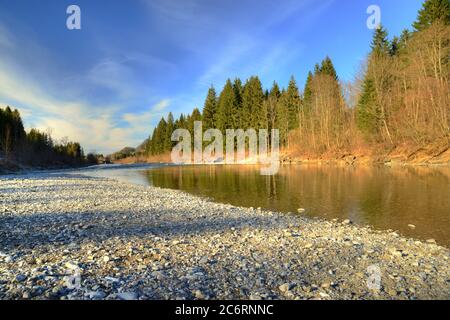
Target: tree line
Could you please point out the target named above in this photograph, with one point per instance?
(36, 147)
(401, 97)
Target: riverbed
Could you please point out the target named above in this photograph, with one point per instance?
(70, 236)
(415, 201)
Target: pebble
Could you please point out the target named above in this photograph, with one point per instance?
(308, 246)
(255, 297)
(285, 287)
(127, 296)
(199, 295)
(21, 277)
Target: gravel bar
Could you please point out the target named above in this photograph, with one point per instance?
(68, 236)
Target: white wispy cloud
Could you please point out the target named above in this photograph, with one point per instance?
(249, 52)
(141, 122)
(161, 106)
(96, 127)
(63, 104)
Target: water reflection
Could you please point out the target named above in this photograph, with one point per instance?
(386, 198)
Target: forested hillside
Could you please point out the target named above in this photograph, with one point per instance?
(400, 99)
(34, 148)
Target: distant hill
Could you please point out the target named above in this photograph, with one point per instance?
(124, 153)
(140, 149)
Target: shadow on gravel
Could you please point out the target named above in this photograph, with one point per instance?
(74, 227)
(41, 229)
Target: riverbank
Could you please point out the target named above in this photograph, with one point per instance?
(431, 155)
(400, 156)
(14, 167)
(132, 242)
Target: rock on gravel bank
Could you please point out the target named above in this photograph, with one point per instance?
(74, 237)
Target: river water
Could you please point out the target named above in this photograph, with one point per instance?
(382, 197)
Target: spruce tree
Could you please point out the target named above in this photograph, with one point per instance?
(272, 101)
(316, 68)
(307, 92)
(254, 111)
(275, 91)
(404, 38)
(432, 11)
(327, 68)
(225, 119)
(7, 131)
(182, 122)
(168, 132)
(367, 112)
(159, 137)
(398, 44)
(380, 43)
(210, 109)
(237, 110)
(281, 118)
(293, 102)
(195, 116)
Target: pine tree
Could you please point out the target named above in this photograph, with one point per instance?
(195, 116)
(238, 91)
(307, 92)
(254, 110)
(316, 68)
(226, 105)
(432, 11)
(151, 143)
(367, 112)
(293, 102)
(306, 106)
(272, 101)
(159, 137)
(7, 131)
(380, 43)
(327, 68)
(210, 109)
(182, 122)
(404, 38)
(168, 132)
(398, 44)
(275, 91)
(281, 118)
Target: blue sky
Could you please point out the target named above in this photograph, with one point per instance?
(132, 62)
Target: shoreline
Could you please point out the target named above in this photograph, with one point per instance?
(140, 242)
(344, 160)
(433, 155)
